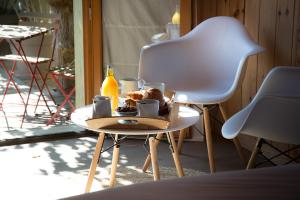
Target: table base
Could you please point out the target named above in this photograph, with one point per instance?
(152, 157)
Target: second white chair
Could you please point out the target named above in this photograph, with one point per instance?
(273, 114)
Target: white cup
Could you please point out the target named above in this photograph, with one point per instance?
(129, 85)
(147, 107)
(157, 85)
(101, 106)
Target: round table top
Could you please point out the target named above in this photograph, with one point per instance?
(186, 118)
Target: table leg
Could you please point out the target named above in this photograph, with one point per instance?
(148, 159)
(181, 138)
(95, 161)
(175, 154)
(114, 163)
(153, 153)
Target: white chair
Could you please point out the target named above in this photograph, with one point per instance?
(274, 113)
(203, 67)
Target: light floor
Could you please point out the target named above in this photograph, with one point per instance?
(56, 169)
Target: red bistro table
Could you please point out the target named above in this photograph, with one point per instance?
(15, 35)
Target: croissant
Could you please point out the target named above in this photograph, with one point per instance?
(136, 95)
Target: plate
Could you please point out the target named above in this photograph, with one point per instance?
(134, 113)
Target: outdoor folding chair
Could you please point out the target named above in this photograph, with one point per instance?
(60, 74)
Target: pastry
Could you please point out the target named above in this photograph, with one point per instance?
(130, 103)
(151, 93)
(154, 93)
(136, 95)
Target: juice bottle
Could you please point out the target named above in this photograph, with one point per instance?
(176, 16)
(110, 88)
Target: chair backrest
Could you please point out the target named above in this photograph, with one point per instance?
(280, 82)
(210, 57)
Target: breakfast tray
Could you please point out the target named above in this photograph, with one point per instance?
(126, 122)
(136, 122)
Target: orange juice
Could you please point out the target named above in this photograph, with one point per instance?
(110, 88)
(176, 16)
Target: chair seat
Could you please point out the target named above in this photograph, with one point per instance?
(31, 59)
(200, 96)
(63, 71)
(271, 111)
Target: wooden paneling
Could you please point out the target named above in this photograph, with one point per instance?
(285, 18)
(274, 24)
(204, 10)
(186, 16)
(223, 7)
(234, 8)
(296, 36)
(252, 24)
(266, 32)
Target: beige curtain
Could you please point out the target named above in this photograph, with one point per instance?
(129, 25)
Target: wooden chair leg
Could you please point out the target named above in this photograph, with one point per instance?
(181, 138)
(114, 164)
(148, 159)
(175, 154)
(254, 154)
(236, 141)
(239, 149)
(209, 140)
(94, 162)
(153, 153)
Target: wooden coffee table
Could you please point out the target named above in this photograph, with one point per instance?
(186, 118)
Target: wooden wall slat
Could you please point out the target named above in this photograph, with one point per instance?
(284, 31)
(237, 9)
(252, 25)
(186, 16)
(223, 7)
(234, 8)
(267, 36)
(204, 10)
(296, 36)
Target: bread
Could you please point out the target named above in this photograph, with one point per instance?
(151, 93)
(154, 93)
